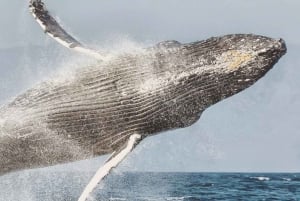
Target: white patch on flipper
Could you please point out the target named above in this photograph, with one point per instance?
(75, 45)
(109, 165)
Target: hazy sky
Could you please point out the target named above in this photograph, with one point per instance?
(256, 130)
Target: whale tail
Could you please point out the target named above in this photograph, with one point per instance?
(55, 31)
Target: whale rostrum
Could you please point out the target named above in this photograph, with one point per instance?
(96, 110)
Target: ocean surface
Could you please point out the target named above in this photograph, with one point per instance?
(67, 186)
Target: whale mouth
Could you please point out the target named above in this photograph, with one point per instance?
(271, 54)
(277, 49)
(281, 46)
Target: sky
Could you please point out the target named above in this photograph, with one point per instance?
(257, 130)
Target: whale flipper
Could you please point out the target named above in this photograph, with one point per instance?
(112, 162)
(54, 30)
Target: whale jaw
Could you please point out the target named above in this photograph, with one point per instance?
(235, 62)
(206, 72)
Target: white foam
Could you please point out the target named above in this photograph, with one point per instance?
(261, 178)
(152, 84)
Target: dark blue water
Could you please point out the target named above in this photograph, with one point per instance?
(200, 186)
(67, 186)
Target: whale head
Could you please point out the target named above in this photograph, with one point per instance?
(206, 72)
(232, 63)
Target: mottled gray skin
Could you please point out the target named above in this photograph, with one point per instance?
(96, 109)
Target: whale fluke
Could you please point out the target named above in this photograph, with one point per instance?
(54, 30)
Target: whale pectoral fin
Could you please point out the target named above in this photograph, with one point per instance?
(113, 161)
(54, 30)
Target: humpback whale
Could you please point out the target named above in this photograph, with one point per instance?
(109, 107)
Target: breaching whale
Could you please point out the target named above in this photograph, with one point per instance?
(110, 107)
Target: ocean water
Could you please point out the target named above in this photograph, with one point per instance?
(67, 186)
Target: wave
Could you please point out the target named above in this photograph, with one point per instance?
(261, 178)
